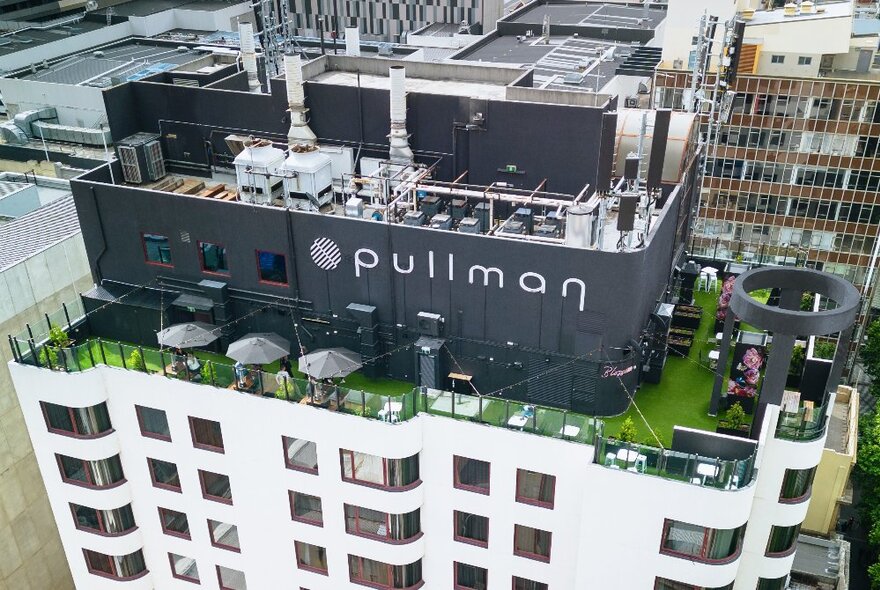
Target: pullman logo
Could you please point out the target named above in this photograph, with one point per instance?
(325, 253)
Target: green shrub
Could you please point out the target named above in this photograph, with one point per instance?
(798, 358)
(48, 356)
(58, 336)
(285, 390)
(824, 350)
(209, 373)
(735, 417)
(628, 430)
(135, 361)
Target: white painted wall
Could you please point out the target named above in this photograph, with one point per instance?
(80, 106)
(606, 524)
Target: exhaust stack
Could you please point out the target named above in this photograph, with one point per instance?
(399, 152)
(300, 133)
(249, 55)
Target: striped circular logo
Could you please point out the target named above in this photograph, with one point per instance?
(325, 253)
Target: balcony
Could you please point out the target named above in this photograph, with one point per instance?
(805, 425)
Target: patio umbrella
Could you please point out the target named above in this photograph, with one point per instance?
(188, 335)
(330, 362)
(259, 348)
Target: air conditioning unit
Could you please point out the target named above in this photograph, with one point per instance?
(140, 156)
(631, 102)
(429, 324)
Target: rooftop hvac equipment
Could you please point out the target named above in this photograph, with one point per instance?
(249, 55)
(524, 216)
(481, 212)
(386, 49)
(469, 225)
(429, 324)
(631, 102)
(308, 178)
(353, 41)
(626, 215)
(431, 205)
(414, 218)
(354, 207)
(514, 227)
(399, 150)
(459, 209)
(140, 156)
(547, 230)
(580, 223)
(256, 172)
(441, 221)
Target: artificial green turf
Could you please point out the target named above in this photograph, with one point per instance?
(682, 396)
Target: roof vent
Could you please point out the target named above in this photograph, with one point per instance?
(97, 54)
(808, 7)
(790, 9)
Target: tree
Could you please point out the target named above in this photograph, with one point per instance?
(628, 431)
(870, 351)
(874, 576)
(868, 457)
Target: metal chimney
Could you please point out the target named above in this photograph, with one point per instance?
(353, 41)
(300, 133)
(399, 152)
(249, 55)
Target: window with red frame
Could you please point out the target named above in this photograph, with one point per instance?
(377, 574)
(306, 508)
(184, 568)
(470, 576)
(690, 541)
(471, 528)
(531, 543)
(215, 486)
(368, 469)
(271, 268)
(174, 523)
(524, 584)
(224, 536)
(80, 422)
(664, 584)
(206, 434)
(213, 258)
(103, 522)
(101, 473)
(164, 474)
(311, 557)
(121, 567)
(300, 454)
(535, 488)
(153, 423)
(157, 249)
(797, 484)
(381, 525)
(471, 474)
(230, 579)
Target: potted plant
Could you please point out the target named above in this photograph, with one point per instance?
(628, 431)
(56, 355)
(734, 422)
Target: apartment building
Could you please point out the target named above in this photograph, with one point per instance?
(792, 175)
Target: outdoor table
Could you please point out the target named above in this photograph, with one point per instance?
(518, 421)
(391, 412)
(707, 470)
(570, 430)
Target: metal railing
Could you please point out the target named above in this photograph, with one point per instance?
(805, 425)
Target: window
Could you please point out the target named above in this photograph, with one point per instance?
(230, 579)
(777, 59)
(535, 488)
(184, 568)
(300, 454)
(381, 525)
(804, 60)
(215, 486)
(164, 474)
(102, 473)
(376, 574)
(306, 508)
(311, 557)
(213, 258)
(206, 434)
(664, 584)
(531, 543)
(157, 249)
(772, 584)
(174, 523)
(783, 540)
(224, 536)
(471, 528)
(471, 576)
(104, 522)
(701, 544)
(120, 567)
(271, 268)
(378, 471)
(797, 484)
(523, 584)
(153, 423)
(471, 474)
(80, 422)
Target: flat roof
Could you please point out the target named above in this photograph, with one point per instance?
(148, 7)
(824, 10)
(127, 61)
(487, 90)
(26, 38)
(612, 16)
(32, 233)
(838, 428)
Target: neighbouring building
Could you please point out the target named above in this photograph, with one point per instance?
(498, 303)
(792, 174)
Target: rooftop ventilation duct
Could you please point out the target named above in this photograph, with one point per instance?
(353, 42)
(249, 55)
(300, 133)
(399, 152)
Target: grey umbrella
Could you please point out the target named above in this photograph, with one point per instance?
(188, 335)
(260, 348)
(330, 362)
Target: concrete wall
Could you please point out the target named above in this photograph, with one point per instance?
(31, 557)
(79, 106)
